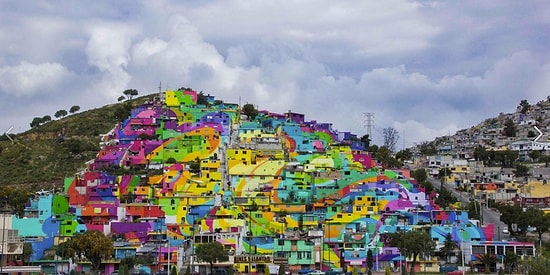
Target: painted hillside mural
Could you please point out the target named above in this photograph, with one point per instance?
(274, 189)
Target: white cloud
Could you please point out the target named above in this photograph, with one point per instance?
(425, 68)
(26, 79)
(147, 49)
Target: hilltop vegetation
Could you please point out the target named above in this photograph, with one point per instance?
(49, 152)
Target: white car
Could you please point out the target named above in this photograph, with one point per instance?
(505, 230)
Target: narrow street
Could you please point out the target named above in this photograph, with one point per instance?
(488, 215)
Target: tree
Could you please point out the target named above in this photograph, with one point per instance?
(524, 106)
(487, 260)
(202, 99)
(384, 156)
(62, 250)
(404, 155)
(537, 266)
(74, 109)
(480, 153)
(510, 261)
(413, 243)
(126, 264)
(505, 158)
(541, 221)
(36, 122)
(16, 198)
(188, 270)
(27, 252)
(123, 110)
(449, 246)
(391, 136)
(130, 93)
(445, 198)
(121, 98)
(46, 119)
(370, 261)
(545, 159)
(427, 148)
(250, 111)
(521, 170)
(420, 175)
(93, 246)
(60, 113)
(123, 270)
(474, 210)
(509, 128)
(366, 140)
(211, 253)
(509, 214)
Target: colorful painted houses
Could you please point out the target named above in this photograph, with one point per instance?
(186, 169)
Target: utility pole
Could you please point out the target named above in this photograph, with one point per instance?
(368, 122)
(169, 255)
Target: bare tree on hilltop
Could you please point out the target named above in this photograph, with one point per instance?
(391, 136)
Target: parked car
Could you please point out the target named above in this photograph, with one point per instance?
(448, 268)
(505, 230)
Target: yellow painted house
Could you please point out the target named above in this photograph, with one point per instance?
(365, 205)
(536, 189)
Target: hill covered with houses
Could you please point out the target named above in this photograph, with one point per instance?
(276, 189)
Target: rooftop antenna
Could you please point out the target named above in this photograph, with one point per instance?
(161, 98)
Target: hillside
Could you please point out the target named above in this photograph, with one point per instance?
(499, 132)
(44, 155)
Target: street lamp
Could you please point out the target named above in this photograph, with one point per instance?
(192, 243)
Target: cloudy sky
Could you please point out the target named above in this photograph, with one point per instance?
(425, 68)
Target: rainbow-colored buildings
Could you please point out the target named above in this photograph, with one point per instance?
(186, 169)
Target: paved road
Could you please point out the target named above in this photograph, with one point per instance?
(488, 214)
